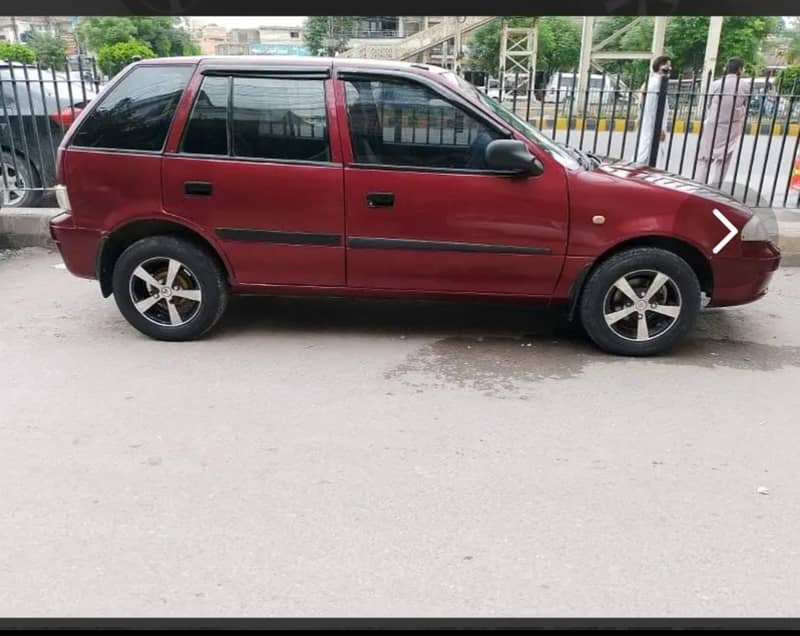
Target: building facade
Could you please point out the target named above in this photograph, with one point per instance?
(18, 28)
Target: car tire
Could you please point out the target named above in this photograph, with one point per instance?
(21, 178)
(640, 302)
(186, 309)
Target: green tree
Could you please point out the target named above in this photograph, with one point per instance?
(686, 40)
(163, 34)
(559, 44)
(112, 58)
(16, 52)
(790, 80)
(51, 52)
(328, 35)
(793, 51)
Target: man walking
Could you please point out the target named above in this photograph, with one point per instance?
(662, 66)
(723, 124)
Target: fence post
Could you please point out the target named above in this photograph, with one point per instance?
(661, 107)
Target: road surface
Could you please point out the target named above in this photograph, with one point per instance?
(375, 458)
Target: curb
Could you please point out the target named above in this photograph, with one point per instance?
(30, 227)
(26, 227)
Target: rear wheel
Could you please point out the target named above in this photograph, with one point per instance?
(640, 302)
(169, 288)
(17, 180)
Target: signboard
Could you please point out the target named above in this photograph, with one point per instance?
(279, 49)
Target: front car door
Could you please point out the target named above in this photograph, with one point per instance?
(423, 212)
(256, 168)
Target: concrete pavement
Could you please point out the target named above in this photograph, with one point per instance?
(368, 458)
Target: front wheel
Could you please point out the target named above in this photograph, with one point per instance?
(640, 302)
(169, 289)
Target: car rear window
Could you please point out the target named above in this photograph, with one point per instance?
(136, 114)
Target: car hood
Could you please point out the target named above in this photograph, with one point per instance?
(639, 173)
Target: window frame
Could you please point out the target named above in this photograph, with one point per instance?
(285, 73)
(345, 75)
(109, 90)
(187, 123)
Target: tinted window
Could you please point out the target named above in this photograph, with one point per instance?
(407, 124)
(207, 131)
(277, 118)
(137, 113)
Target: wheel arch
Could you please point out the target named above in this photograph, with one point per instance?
(688, 252)
(119, 239)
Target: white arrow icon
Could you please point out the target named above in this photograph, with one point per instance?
(732, 231)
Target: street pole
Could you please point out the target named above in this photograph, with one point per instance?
(585, 66)
(712, 46)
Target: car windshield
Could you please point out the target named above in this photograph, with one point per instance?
(557, 151)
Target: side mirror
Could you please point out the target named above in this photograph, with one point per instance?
(514, 156)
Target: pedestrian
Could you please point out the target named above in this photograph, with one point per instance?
(662, 66)
(723, 123)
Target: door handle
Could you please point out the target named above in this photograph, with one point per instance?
(380, 199)
(198, 188)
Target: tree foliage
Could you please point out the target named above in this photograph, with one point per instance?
(16, 52)
(559, 44)
(790, 80)
(163, 34)
(686, 39)
(50, 50)
(793, 51)
(112, 58)
(328, 34)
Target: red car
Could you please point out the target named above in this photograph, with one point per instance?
(189, 179)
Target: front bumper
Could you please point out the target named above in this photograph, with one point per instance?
(744, 279)
(78, 246)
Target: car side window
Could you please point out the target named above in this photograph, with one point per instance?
(280, 118)
(207, 130)
(137, 113)
(396, 122)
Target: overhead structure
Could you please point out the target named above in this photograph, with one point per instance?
(592, 54)
(518, 50)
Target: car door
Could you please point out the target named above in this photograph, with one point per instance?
(256, 168)
(424, 212)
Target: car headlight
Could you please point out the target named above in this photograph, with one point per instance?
(755, 230)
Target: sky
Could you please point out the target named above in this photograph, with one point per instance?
(252, 21)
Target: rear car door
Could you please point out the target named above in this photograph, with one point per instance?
(423, 210)
(255, 167)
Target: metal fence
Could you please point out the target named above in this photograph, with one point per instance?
(37, 106)
(760, 155)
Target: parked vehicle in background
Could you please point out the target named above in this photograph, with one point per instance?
(602, 89)
(191, 179)
(35, 112)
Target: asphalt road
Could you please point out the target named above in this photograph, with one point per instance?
(370, 458)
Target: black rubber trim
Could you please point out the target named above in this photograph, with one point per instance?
(100, 273)
(287, 238)
(576, 289)
(282, 72)
(362, 242)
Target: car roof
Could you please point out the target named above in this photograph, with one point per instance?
(306, 62)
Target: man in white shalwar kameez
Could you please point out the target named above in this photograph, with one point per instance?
(723, 124)
(662, 66)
